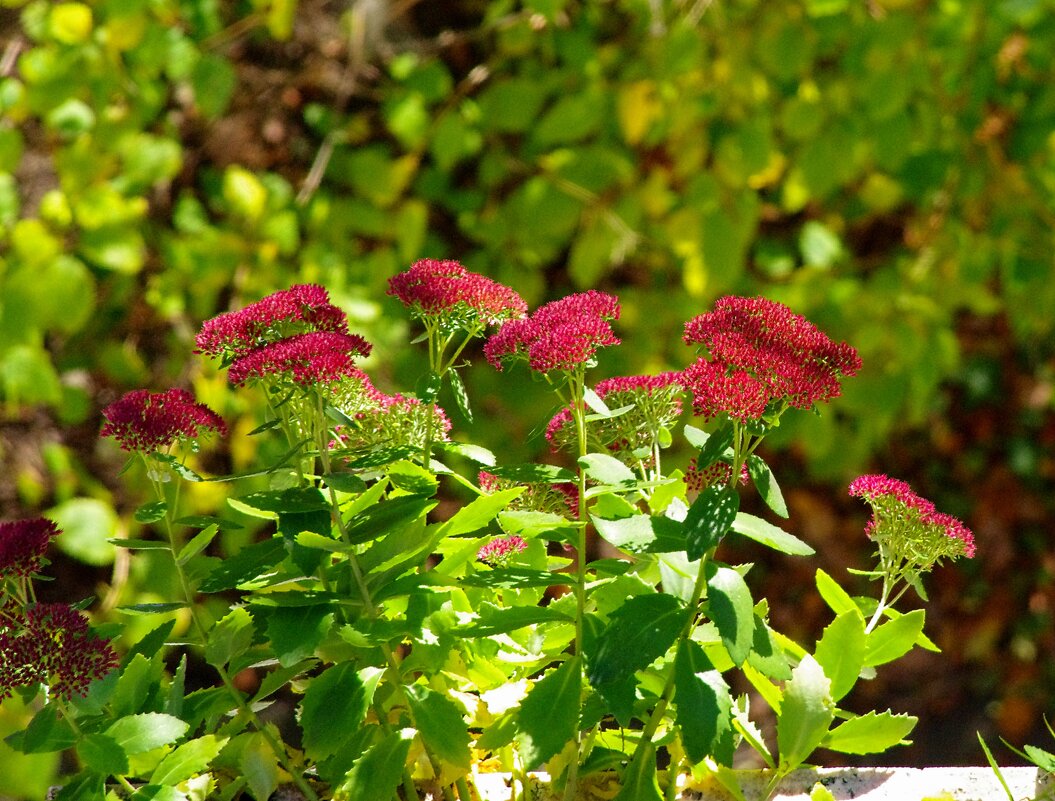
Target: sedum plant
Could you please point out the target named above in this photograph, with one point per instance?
(421, 643)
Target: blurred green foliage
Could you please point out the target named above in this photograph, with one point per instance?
(885, 167)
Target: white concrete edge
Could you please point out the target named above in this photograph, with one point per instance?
(844, 784)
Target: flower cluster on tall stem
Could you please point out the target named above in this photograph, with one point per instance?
(910, 534)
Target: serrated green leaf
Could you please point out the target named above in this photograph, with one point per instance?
(549, 713)
(805, 714)
(441, 726)
(139, 679)
(151, 609)
(138, 733)
(249, 563)
(296, 631)
(376, 521)
(639, 632)
(759, 530)
(870, 734)
(333, 707)
(841, 652)
(46, 732)
(480, 512)
(894, 638)
(606, 469)
(198, 543)
(704, 706)
(102, 754)
(730, 606)
(496, 620)
(345, 482)
(534, 473)
(229, 638)
(709, 519)
(188, 759)
(766, 484)
(378, 772)
(639, 781)
(294, 499)
(259, 766)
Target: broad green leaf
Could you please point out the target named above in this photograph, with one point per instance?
(639, 781)
(229, 638)
(714, 446)
(295, 499)
(461, 396)
(759, 530)
(277, 679)
(606, 469)
(151, 512)
(836, 597)
(709, 519)
(515, 578)
(766, 654)
(473, 453)
(534, 473)
(139, 679)
(870, 734)
(704, 706)
(249, 563)
(188, 759)
(87, 526)
(730, 606)
(499, 734)
(334, 706)
(259, 766)
(138, 733)
(841, 652)
(46, 732)
(894, 638)
(348, 483)
(378, 772)
(805, 714)
(198, 543)
(639, 632)
(412, 478)
(480, 512)
(295, 631)
(377, 521)
(642, 533)
(441, 726)
(151, 609)
(766, 484)
(150, 643)
(495, 620)
(549, 713)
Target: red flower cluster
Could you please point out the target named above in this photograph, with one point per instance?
(152, 421)
(447, 291)
(318, 357)
(299, 309)
(760, 351)
(918, 531)
(51, 644)
(501, 550)
(23, 544)
(561, 335)
(697, 480)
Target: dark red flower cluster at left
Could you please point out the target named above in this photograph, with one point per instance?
(153, 421)
(23, 544)
(50, 644)
(758, 351)
(562, 335)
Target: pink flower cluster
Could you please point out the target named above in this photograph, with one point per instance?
(23, 544)
(561, 335)
(318, 357)
(656, 403)
(560, 498)
(899, 513)
(299, 309)
(501, 550)
(382, 419)
(759, 351)
(50, 644)
(447, 291)
(152, 421)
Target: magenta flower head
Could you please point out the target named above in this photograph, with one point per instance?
(387, 420)
(317, 357)
(23, 544)
(453, 297)
(907, 528)
(50, 644)
(500, 551)
(297, 310)
(655, 404)
(562, 335)
(759, 352)
(154, 421)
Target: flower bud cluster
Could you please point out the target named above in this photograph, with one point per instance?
(146, 421)
(448, 294)
(500, 551)
(23, 544)
(539, 496)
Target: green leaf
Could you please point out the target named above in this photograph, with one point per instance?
(139, 545)
(759, 530)
(295, 631)
(441, 726)
(334, 706)
(894, 638)
(714, 446)
(836, 597)
(710, 518)
(766, 655)
(473, 453)
(47, 732)
(480, 512)
(152, 609)
(549, 713)
(150, 643)
(378, 772)
(766, 484)
(249, 563)
(496, 620)
(730, 606)
(606, 469)
(639, 781)
(213, 80)
(704, 706)
(259, 764)
(841, 652)
(188, 759)
(515, 578)
(412, 478)
(534, 473)
(87, 525)
(139, 679)
(461, 397)
(870, 734)
(229, 638)
(138, 733)
(151, 512)
(639, 632)
(198, 543)
(345, 482)
(642, 533)
(377, 521)
(295, 499)
(805, 714)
